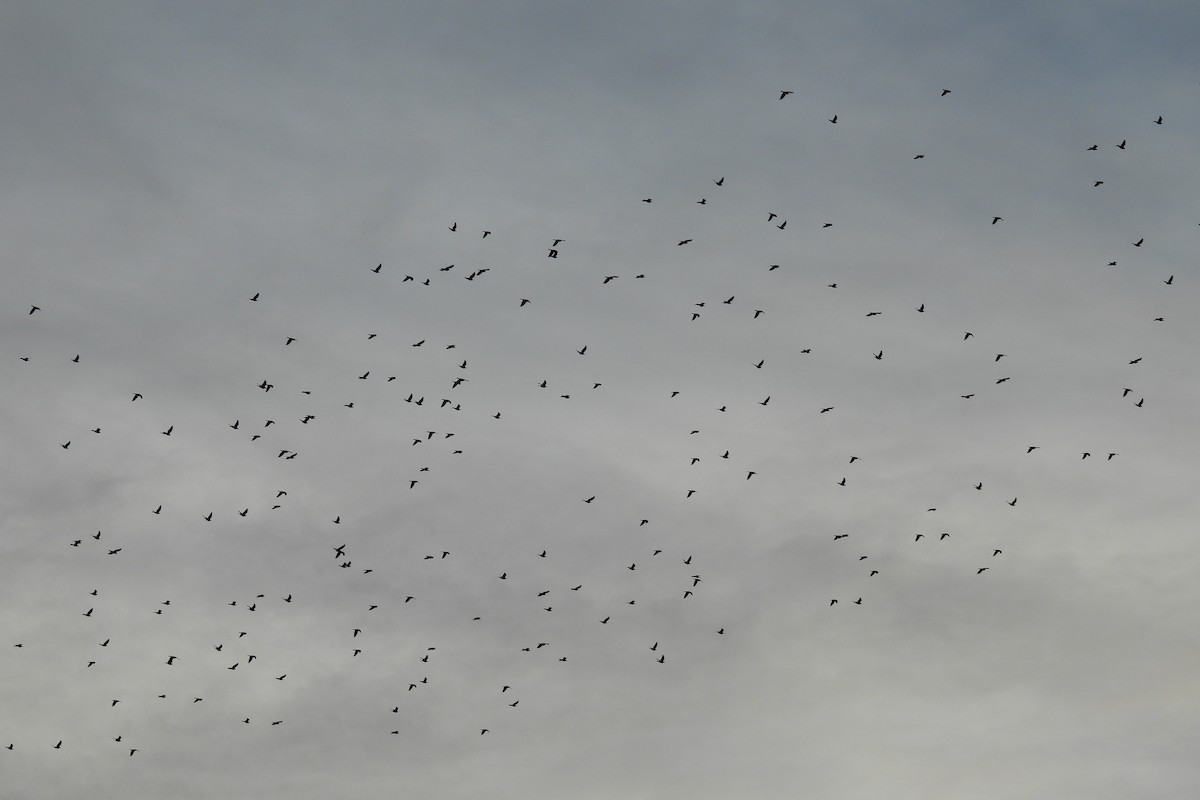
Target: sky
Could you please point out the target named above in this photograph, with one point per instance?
(828, 454)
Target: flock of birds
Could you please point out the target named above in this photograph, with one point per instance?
(284, 436)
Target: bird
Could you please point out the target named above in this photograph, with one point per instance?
(721, 181)
(918, 155)
(833, 119)
(1158, 121)
(1138, 243)
(582, 351)
(1097, 183)
(784, 94)
(255, 298)
(1169, 280)
(945, 92)
(682, 242)
(1121, 146)
(997, 219)
(1094, 147)
(377, 269)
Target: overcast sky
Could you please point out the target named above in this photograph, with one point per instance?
(246, 216)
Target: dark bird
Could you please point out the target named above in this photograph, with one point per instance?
(1012, 502)
(997, 219)
(833, 119)
(486, 234)
(1121, 146)
(784, 94)
(377, 269)
(721, 181)
(1158, 121)
(921, 308)
(829, 408)
(583, 350)
(1094, 147)
(1138, 243)
(65, 446)
(1097, 183)
(980, 570)
(1110, 456)
(1169, 280)
(137, 395)
(879, 356)
(255, 298)
(33, 309)
(683, 242)
(1136, 360)
(158, 510)
(764, 402)
(919, 155)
